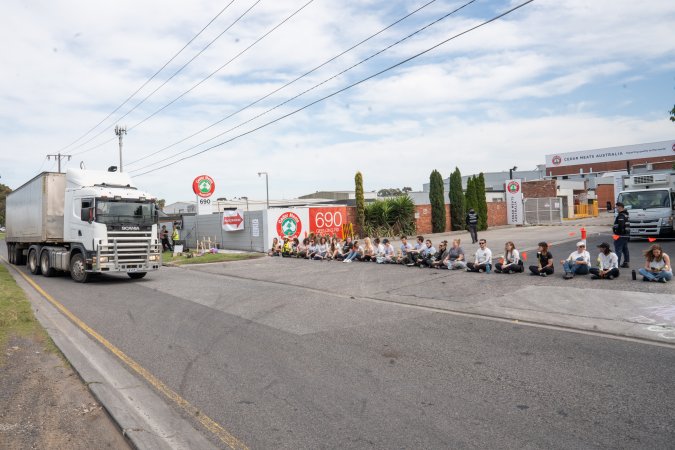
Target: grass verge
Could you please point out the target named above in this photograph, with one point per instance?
(168, 258)
(16, 315)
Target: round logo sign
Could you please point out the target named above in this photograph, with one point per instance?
(203, 186)
(556, 160)
(674, 147)
(289, 224)
(513, 187)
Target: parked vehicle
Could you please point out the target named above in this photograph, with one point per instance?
(83, 222)
(650, 201)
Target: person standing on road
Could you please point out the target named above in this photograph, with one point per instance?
(482, 259)
(544, 265)
(577, 263)
(511, 262)
(166, 244)
(472, 224)
(175, 235)
(657, 265)
(608, 264)
(621, 228)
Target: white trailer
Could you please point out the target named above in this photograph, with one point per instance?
(83, 222)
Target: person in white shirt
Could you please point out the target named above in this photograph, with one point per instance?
(482, 259)
(657, 265)
(389, 252)
(379, 249)
(608, 264)
(577, 263)
(511, 262)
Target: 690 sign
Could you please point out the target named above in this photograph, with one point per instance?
(327, 221)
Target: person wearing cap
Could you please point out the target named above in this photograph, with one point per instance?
(621, 228)
(578, 262)
(472, 223)
(608, 264)
(286, 248)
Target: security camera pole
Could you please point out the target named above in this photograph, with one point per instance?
(120, 131)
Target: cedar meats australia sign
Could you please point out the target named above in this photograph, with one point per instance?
(203, 186)
(623, 153)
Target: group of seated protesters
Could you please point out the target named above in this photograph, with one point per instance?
(424, 254)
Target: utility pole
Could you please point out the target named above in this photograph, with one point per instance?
(120, 131)
(58, 157)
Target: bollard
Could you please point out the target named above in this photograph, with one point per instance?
(583, 233)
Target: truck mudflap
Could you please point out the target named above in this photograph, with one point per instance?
(126, 252)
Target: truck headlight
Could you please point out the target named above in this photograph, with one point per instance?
(103, 259)
(153, 258)
(667, 221)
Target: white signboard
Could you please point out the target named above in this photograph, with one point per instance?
(204, 206)
(233, 220)
(514, 202)
(651, 150)
(255, 228)
(291, 222)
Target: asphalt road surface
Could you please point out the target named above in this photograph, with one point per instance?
(303, 354)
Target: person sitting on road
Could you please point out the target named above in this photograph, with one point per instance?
(544, 265)
(321, 249)
(402, 256)
(389, 252)
(276, 248)
(346, 248)
(311, 249)
(426, 255)
(302, 248)
(286, 248)
(355, 254)
(608, 264)
(379, 251)
(334, 252)
(657, 265)
(412, 256)
(577, 263)
(510, 262)
(436, 261)
(455, 259)
(368, 250)
(482, 259)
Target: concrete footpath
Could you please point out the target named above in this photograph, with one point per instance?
(620, 308)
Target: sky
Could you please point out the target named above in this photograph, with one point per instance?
(549, 77)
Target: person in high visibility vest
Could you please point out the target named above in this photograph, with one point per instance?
(175, 236)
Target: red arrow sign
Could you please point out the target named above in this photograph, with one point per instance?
(233, 220)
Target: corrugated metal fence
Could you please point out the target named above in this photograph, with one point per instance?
(209, 226)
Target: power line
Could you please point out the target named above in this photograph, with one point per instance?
(287, 84)
(165, 82)
(212, 73)
(446, 15)
(151, 78)
(417, 55)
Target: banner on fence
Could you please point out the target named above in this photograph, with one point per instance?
(233, 220)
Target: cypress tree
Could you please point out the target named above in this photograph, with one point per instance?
(457, 201)
(481, 202)
(470, 194)
(360, 204)
(436, 197)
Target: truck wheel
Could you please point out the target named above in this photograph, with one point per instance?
(78, 268)
(136, 275)
(47, 270)
(33, 263)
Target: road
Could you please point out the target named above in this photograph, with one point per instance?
(301, 354)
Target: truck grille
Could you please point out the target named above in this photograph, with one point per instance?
(128, 248)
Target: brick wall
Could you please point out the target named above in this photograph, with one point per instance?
(539, 189)
(496, 214)
(424, 218)
(605, 193)
(448, 226)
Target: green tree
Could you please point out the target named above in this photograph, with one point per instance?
(436, 198)
(4, 190)
(161, 203)
(672, 114)
(470, 195)
(457, 201)
(481, 202)
(360, 204)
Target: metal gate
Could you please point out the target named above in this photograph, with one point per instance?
(547, 210)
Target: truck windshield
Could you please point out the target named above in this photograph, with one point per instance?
(645, 199)
(125, 212)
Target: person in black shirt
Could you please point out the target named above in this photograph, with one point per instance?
(544, 265)
(621, 228)
(472, 223)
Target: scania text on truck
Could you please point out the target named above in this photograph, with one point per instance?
(84, 222)
(650, 201)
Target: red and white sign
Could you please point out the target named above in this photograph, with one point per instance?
(327, 220)
(514, 202)
(203, 186)
(233, 220)
(289, 225)
(623, 153)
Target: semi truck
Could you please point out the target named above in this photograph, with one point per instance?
(84, 222)
(650, 201)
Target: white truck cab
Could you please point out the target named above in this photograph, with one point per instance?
(650, 202)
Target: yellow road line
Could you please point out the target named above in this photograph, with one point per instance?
(205, 420)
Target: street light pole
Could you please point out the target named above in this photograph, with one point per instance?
(119, 132)
(267, 187)
(511, 172)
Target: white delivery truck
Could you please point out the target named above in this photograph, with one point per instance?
(83, 222)
(650, 201)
